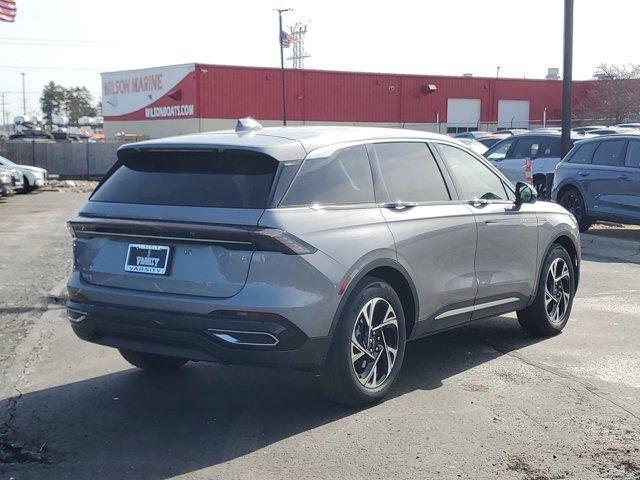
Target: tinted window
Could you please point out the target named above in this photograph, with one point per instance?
(584, 153)
(526, 147)
(409, 173)
(609, 153)
(230, 179)
(499, 151)
(550, 148)
(344, 177)
(633, 155)
(474, 178)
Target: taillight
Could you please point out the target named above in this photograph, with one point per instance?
(281, 241)
(228, 236)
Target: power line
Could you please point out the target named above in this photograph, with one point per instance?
(47, 69)
(53, 43)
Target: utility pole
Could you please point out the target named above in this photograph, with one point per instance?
(4, 122)
(282, 79)
(24, 98)
(567, 76)
(298, 31)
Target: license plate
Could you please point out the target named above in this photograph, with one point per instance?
(147, 259)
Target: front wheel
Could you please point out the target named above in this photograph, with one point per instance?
(26, 186)
(152, 362)
(368, 346)
(550, 310)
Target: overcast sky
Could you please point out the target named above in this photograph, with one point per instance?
(71, 42)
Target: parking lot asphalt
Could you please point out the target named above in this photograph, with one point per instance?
(481, 402)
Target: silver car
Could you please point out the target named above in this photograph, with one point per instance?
(319, 248)
(538, 150)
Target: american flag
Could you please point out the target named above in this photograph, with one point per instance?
(286, 39)
(7, 10)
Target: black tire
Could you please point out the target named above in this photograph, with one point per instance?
(540, 184)
(338, 375)
(152, 362)
(573, 201)
(26, 187)
(538, 320)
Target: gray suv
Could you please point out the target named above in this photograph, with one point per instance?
(319, 248)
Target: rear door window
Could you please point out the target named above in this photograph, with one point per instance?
(550, 148)
(408, 173)
(474, 178)
(633, 155)
(584, 153)
(219, 178)
(342, 178)
(609, 153)
(528, 147)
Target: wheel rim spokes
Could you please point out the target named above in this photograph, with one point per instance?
(557, 291)
(374, 343)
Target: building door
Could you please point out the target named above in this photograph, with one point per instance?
(513, 114)
(463, 114)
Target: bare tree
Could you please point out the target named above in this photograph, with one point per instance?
(615, 95)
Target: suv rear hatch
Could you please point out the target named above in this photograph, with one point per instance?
(179, 222)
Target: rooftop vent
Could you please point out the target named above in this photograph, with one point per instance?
(553, 73)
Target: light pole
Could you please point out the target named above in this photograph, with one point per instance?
(24, 98)
(282, 78)
(567, 76)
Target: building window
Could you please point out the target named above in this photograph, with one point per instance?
(461, 129)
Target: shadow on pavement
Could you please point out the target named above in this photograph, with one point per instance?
(132, 424)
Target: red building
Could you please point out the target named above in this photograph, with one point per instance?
(196, 97)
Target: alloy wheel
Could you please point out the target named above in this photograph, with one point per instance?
(573, 203)
(557, 291)
(374, 343)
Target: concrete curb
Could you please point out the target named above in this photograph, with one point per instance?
(615, 248)
(58, 294)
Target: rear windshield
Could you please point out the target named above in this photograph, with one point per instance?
(225, 178)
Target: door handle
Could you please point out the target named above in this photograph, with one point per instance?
(478, 202)
(584, 174)
(623, 177)
(399, 205)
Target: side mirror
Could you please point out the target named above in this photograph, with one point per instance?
(525, 193)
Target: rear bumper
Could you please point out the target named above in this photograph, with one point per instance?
(198, 337)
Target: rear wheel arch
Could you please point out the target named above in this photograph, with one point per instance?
(397, 277)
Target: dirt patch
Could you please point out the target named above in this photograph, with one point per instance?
(12, 453)
(520, 465)
(619, 463)
(75, 186)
